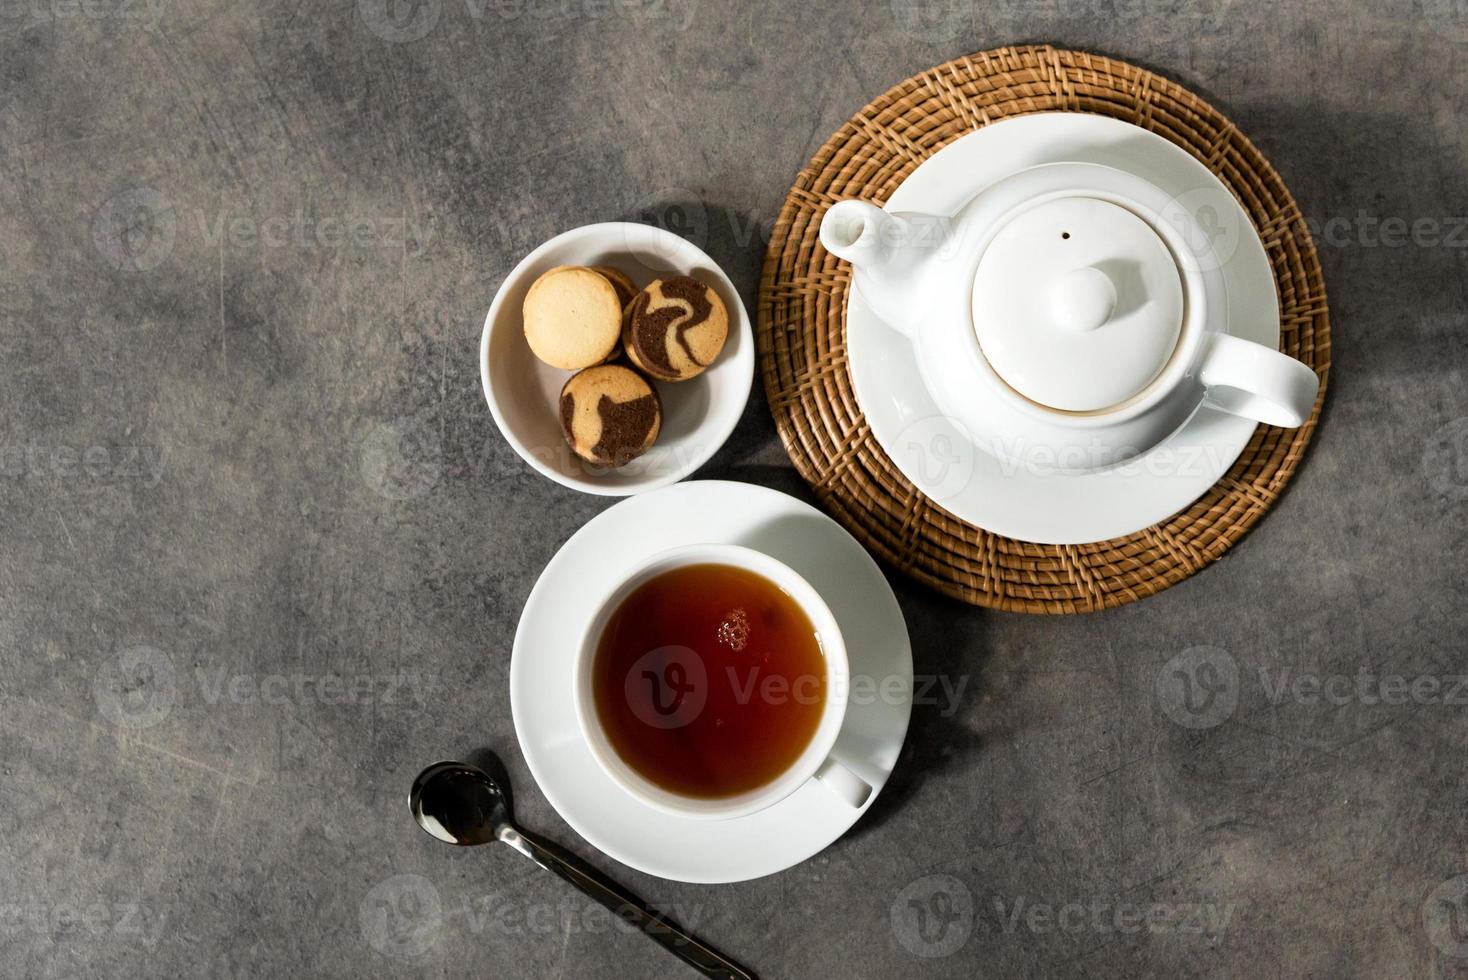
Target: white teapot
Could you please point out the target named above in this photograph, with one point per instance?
(1069, 307)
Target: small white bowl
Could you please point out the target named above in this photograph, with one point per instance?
(524, 393)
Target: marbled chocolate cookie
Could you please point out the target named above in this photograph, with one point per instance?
(609, 414)
(675, 328)
(573, 318)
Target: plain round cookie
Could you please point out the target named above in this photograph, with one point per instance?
(573, 318)
(675, 328)
(610, 415)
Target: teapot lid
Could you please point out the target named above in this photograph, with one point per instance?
(1077, 304)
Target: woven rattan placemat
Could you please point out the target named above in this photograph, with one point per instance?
(801, 334)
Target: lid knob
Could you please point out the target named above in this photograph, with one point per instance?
(1083, 299)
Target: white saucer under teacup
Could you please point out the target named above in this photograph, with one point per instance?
(1036, 496)
(572, 589)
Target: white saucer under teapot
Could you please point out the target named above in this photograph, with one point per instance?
(1070, 307)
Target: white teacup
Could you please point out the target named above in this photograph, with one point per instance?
(815, 762)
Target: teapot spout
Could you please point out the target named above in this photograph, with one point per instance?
(859, 232)
(887, 256)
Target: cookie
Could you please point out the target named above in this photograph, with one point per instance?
(626, 289)
(626, 293)
(675, 328)
(609, 414)
(573, 318)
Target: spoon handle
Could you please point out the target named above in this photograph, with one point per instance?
(626, 906)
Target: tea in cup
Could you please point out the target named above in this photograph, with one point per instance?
(712, 682)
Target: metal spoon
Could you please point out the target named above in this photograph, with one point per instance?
(462, 804)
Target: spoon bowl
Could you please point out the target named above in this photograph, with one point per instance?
(461, 804)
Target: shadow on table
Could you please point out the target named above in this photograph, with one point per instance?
(938, 741)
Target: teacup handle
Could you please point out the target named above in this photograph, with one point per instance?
(1257, 382)
(851, 788)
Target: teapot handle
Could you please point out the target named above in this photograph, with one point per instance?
(1257, 382)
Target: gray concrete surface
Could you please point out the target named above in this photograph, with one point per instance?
(246, 251)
